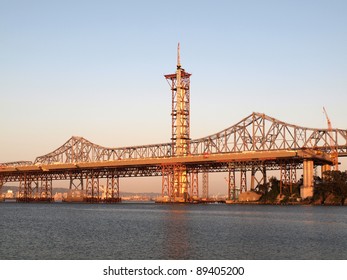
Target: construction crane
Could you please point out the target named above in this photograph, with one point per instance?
(333, 148)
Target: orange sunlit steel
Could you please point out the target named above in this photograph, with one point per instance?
(252, 146)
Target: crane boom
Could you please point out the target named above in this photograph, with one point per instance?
(330, 128)
(333, 148)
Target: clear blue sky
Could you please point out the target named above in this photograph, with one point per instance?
(95, 68)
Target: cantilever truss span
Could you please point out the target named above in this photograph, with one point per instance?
(257, 132)
(255, 143)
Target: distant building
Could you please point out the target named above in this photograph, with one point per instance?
(58, 196)
(74, 196)
(9, 194)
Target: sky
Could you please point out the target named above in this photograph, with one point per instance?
(94, 68)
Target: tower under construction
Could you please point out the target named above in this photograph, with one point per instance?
(178, 184)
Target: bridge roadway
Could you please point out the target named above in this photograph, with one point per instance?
(257, 143)
(199, 163)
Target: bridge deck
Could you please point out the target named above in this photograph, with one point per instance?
(318, 157)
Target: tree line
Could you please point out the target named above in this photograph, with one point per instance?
(333, 183)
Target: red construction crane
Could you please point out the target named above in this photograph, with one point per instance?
(333, 148)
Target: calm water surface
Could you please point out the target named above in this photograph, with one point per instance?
(152, 231)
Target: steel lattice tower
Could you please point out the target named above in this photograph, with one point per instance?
(180, 85)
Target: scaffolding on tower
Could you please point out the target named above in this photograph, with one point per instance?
(180, 89)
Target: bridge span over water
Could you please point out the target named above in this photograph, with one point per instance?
(254, 145)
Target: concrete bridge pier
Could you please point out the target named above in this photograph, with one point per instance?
(307, 188)
(325, 168)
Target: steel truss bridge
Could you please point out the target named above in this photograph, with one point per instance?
(255, 144)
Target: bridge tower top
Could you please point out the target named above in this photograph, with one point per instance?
(178, 57)
(180, 88)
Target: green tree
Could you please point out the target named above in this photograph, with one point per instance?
(334, 182)
(270, 190)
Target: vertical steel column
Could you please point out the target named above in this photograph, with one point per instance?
(176, 182)
(194, 182)
(46, 189)
(166, 182)
(264, 175)
(293, 178)
(22, 190)
(25, 191)
(231, 185)
(288, 176)
(180, 183)
(253, 179)
(34, 191)
(168, 188)
(282, 177)
(89, 187)
(112, 187)
(92, 190)
(205, 185)
(243, 180)
(96, 187)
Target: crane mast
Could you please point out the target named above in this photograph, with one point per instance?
(333, 148)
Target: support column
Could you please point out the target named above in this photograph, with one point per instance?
(288, 177)
(92, 190)
(205, 185)
(325, 168)
(293, 179)
(285, 179)
(264, 175)
(166, 183)
(282, 177)
(76, 193)
(307, 188)
(34, 190)
(243, 180)
(231, 185)
(25, 190)
(253, 179)
(46, 190)
(194, 183)
(112, 187)
(180, 183)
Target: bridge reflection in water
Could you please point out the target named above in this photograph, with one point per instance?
(177, 243)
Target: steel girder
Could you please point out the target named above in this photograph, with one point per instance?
(257, 132)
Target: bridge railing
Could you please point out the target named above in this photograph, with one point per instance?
(16, 163)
